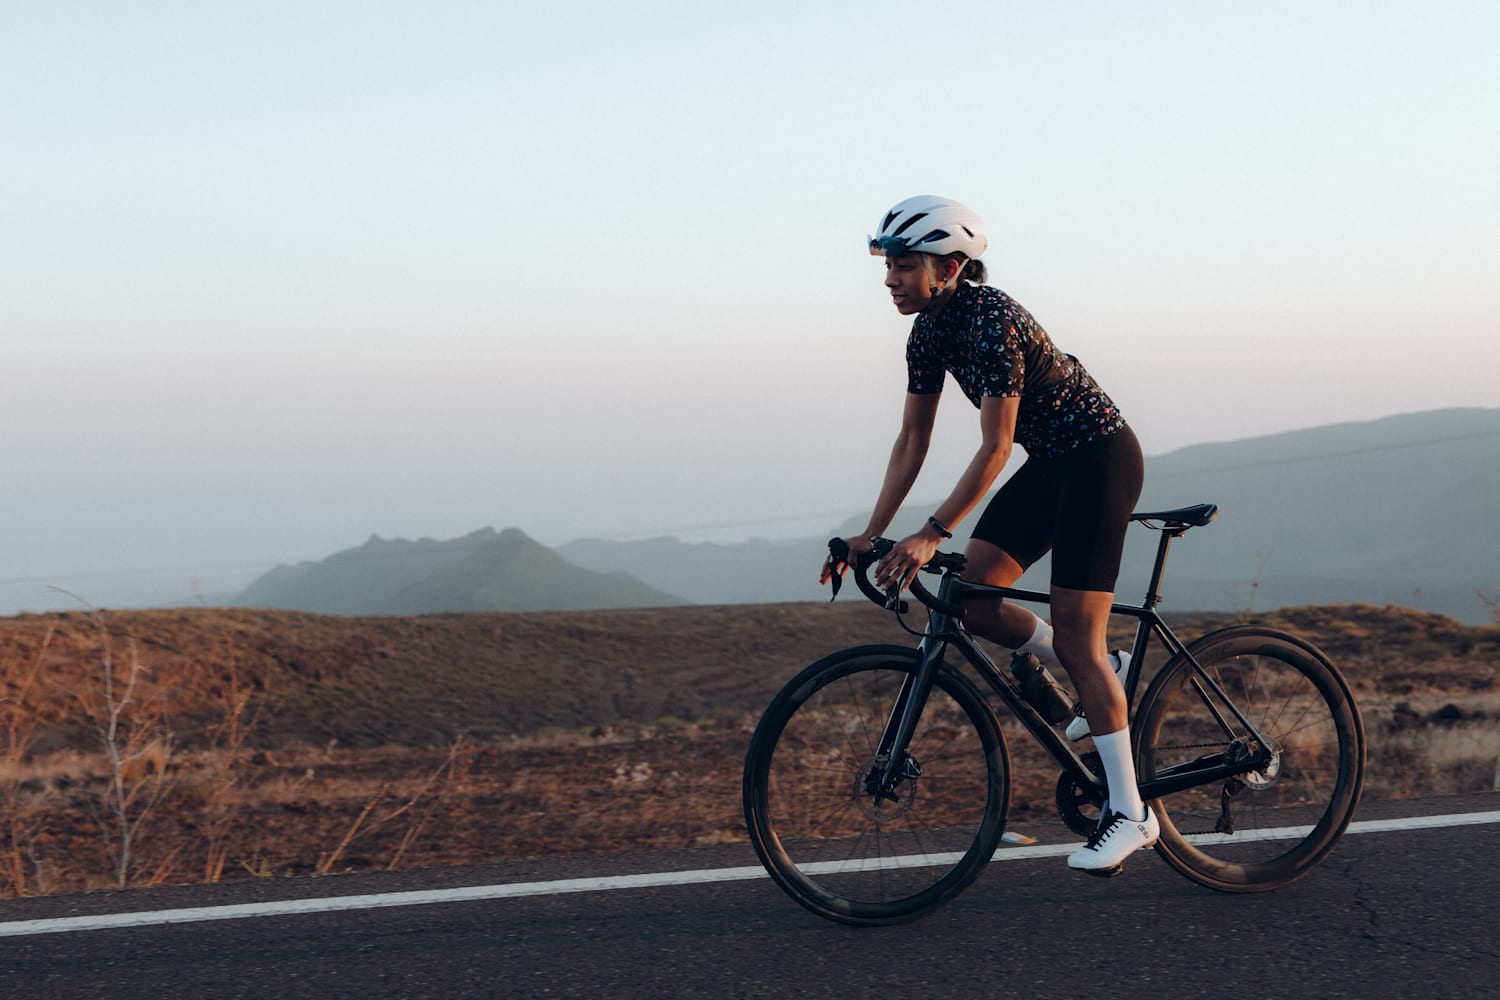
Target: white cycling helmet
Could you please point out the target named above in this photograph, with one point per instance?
(929, 224)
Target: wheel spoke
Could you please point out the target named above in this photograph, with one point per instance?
(1298, 703)
(830, 843)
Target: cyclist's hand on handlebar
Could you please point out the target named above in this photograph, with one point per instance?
(858, 546)
(902, 562)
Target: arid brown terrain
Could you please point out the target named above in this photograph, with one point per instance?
(181, 745)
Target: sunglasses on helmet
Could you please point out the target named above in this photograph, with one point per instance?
(895, 246)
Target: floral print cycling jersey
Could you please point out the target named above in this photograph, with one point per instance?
(994, 347)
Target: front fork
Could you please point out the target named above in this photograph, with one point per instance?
(893, 764)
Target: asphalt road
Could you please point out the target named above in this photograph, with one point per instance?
(1407, 913)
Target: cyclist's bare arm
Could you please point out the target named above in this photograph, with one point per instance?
(997, 424)
(907, 456)
(997, 427)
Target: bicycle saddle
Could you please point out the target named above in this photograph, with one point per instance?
(1195, 516)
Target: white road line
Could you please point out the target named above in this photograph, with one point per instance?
(151, 918)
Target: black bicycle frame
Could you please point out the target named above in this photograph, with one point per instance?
(944, 630)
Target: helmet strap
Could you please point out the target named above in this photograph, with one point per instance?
(935, 288)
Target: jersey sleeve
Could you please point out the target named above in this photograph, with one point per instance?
(1003, 368)
(924, 368)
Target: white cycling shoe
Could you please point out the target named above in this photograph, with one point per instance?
(1079, 727)
(1115, 839)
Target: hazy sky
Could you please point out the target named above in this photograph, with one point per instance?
(277, 276)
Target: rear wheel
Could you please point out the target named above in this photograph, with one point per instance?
(821, 831)
(1264, 828)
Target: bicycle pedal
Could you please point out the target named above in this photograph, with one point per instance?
(1105, 872)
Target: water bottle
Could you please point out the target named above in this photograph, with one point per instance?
(1041, 689)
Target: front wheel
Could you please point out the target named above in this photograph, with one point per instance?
(1263, 828)
(821, 829)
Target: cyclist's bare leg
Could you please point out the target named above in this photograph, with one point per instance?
(1080, 618)
(994, 618)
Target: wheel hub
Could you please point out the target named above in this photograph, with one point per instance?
(1256, 780)
(896, 801)
(1259, 780)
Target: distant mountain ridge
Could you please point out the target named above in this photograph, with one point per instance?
(1399, 511)
(482, 571)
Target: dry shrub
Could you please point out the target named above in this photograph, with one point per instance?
(416, 803)
(1437, 760)
(124, 710)
(1430, 744)
(23, 797)
(1491, 604)
(220, 778)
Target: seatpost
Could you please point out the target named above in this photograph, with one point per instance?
(1153, 591)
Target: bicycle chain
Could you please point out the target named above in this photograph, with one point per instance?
(1196, 746)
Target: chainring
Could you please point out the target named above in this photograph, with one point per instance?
(1079, 806)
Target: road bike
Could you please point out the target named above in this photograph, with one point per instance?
(877, 783)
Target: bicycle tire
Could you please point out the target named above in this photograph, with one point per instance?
(825, 840)
(1265, 828)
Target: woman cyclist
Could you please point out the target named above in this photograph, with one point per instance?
(1073, 495)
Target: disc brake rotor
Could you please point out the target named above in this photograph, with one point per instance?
(1256, 780)
(1265, 778)
(896, 802)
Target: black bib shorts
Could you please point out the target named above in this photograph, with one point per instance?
(1078, 505)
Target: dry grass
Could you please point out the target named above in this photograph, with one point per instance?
(306, 745)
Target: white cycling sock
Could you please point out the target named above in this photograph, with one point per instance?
(1119, 772)
(1040, 643)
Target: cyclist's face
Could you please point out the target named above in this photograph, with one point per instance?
(909, 281)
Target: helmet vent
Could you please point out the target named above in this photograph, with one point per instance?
(909, 223)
